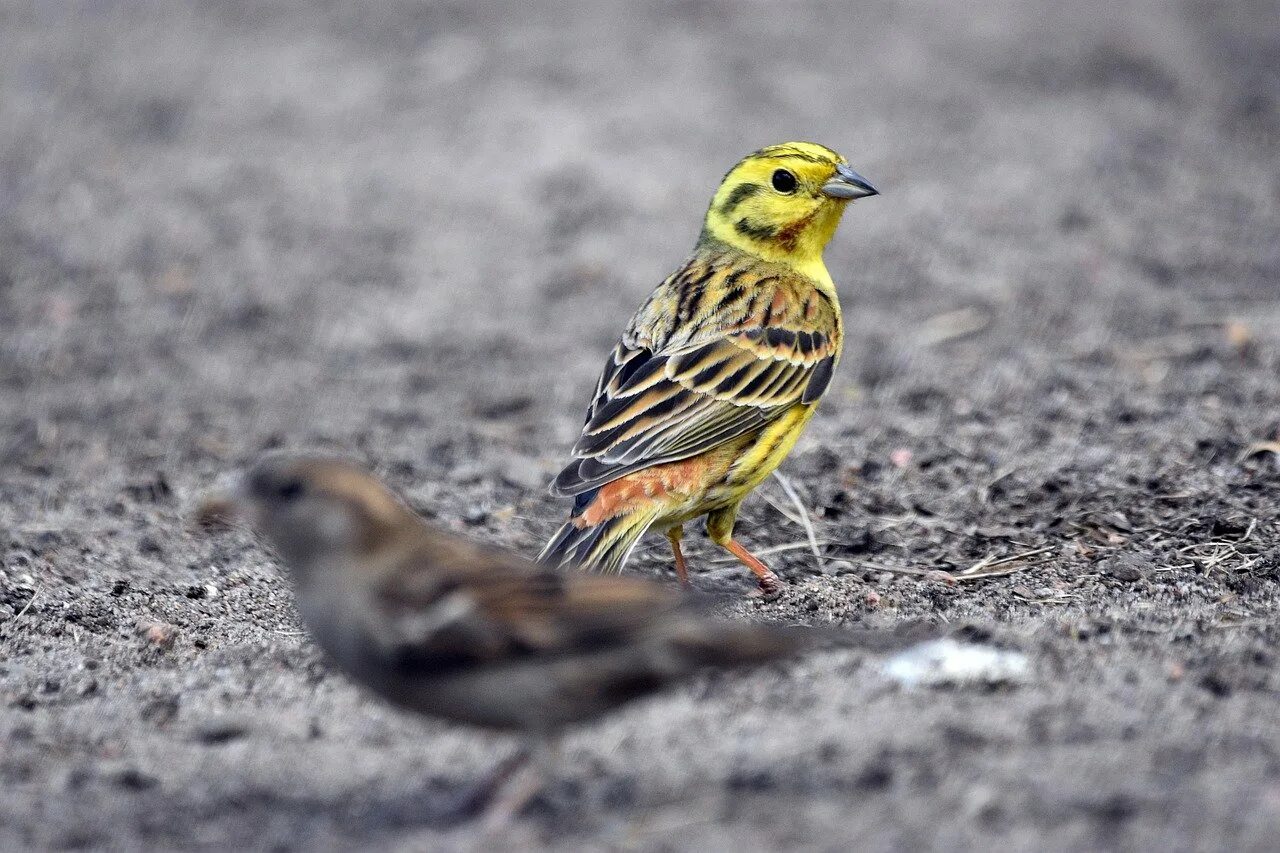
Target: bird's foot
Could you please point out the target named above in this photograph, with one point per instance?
(771, 586)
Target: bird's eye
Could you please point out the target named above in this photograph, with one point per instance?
(290, 490)
(784, 182)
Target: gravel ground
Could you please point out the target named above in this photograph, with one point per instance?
(410, 231)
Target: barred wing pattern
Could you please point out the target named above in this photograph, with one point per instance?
(656, 407)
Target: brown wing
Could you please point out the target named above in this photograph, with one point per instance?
(655, 407)
(444, 617)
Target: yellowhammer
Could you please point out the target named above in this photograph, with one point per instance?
(720, 369)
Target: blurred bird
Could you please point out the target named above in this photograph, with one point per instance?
(446, 627)
(718, 372)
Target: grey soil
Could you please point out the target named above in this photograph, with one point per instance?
(411, 231)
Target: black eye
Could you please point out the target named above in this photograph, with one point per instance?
(784, 182)
(290, 490)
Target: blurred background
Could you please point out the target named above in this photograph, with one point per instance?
(412, 230)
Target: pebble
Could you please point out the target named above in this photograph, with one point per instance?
(946, 662)
(1127, 569)
(158, 634)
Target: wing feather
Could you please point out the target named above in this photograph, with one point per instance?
(656, 407)
(511, 608)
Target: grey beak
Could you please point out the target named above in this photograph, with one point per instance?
(225, 503)
(848, 184)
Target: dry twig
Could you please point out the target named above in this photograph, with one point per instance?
(804, 516)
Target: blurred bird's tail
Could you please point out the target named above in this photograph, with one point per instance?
(740, 643)
(602, 547)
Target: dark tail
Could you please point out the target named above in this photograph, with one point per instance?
(603, 547)
(736, 643)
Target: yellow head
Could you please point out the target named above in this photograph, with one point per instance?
(784, 202)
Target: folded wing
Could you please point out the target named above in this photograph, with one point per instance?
(656, 407)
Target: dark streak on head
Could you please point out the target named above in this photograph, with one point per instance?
(747, 228)
(740, 193)
(788, 151)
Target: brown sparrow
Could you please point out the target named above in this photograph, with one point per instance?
(443, 626)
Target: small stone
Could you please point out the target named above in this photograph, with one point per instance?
(160, 709)
(158, 634)
(834, 568)
(215, 732)
(939, 576)
(1125, 569)
(199, 591)
(133, 779)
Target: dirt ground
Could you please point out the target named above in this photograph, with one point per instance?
(411, 231)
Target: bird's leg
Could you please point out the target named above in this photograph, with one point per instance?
(720, 529)
(674, 535)
(770, 583)
(483, 795)
(522, 785)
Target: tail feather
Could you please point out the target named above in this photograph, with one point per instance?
(738, 643)
(603, 547)
(728, 644)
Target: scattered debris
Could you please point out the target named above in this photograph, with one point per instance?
(937, 575)
(948, 663)
(803, 516)
(989, 567)
(1259, 447)
(27, 606)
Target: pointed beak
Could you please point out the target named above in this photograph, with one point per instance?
(848, 184)
(224, 504)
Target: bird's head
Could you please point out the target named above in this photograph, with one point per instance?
(310, 507)
(785, 201)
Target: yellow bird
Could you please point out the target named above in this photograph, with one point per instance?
(718, 372)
